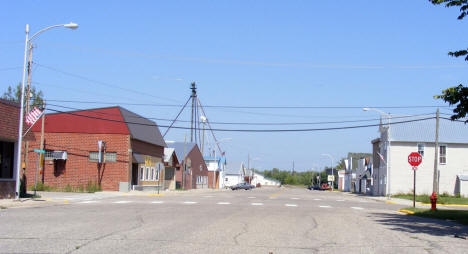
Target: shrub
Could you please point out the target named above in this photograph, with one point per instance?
(68, 188)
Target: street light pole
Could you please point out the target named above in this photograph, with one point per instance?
(388, 145)
(331, 158)
(27, 43)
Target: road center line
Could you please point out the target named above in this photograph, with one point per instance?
(223, 203)
(256, 203)
(251, 197)
(357, 208)
(295, 198)
(317, 199)
(88, 202)
(122, 202)
(340, 200)
(157, 202)
(190, 202)
(291, 205)
(325, 206)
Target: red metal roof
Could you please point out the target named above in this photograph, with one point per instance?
(85, 121)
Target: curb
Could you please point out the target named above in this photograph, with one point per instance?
(449, 205)
(406, 211)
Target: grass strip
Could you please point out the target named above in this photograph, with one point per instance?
(442, 199)
(460, 216)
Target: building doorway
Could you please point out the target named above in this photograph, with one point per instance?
(134, 174)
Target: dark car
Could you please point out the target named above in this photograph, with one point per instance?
(314, 187)
(242, 186)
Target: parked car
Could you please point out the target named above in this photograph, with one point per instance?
(314, 187)
(242, 186)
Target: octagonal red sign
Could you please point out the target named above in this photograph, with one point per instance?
(414, 159)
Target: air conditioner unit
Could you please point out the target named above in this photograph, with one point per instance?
(59, 155)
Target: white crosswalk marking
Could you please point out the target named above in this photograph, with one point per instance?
(357, 208)
(325, 206)
(157, 202)
(251, 197)
(190, 202)
(295, 198)
(122, 202)
(256, 203)
(223, 203)
(340, 200)
(88, 202)
(317, 199)
(291, 205)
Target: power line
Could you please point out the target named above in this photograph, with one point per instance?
(253, 107)
(248, 123)
(101, 82)
(249, 130)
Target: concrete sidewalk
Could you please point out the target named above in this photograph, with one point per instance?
(407, 202)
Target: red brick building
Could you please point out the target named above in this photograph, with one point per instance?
(196, 176)
(131, 145)
(9, 115)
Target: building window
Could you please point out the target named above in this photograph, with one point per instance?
(156, 177)
(152, 174)
(142, 173)
(201, 168)
(49, 155)
(227, 179)
(94, 156)
(147, 173)
(421, 149)
(443, 154)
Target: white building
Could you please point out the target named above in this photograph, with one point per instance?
(264, 181)
(216, 166)
(233, 175)
(392, 173)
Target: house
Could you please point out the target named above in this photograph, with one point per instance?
(393, 174)
(260, 180)
(193, 173)
(9, 113)
(110, 147)
(363, 180)
(233, 175)
(172, 165)
(216, 166)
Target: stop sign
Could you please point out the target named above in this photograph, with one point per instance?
(414, 159)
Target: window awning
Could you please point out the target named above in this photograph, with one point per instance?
(138, 158)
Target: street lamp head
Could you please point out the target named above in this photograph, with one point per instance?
(365, 109)
(71, 25)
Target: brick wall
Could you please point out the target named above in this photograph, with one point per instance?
(9, 112)
(7, 189)
(78, 170)
(197, 161)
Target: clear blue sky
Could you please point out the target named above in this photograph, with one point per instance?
(314, 53)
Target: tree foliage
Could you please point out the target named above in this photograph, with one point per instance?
(457, 95)
(297, 178)
(14, 94)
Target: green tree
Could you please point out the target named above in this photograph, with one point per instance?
(457, 95)
(14, 94)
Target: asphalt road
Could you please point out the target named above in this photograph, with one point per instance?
(264, 220)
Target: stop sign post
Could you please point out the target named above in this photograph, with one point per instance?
(414, 159)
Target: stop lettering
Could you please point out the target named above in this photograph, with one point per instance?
(414, 159)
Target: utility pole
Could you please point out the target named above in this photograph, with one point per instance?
(185, 162)
(293, 168)
(248, 164)
(435, 184)
(27, 99)
(192, 123)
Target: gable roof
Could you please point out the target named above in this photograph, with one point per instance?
(180, 147)
(142, 128)
(168, 152)
(111, 120)
(424, 131)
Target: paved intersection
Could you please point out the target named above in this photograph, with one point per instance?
(263, 220)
